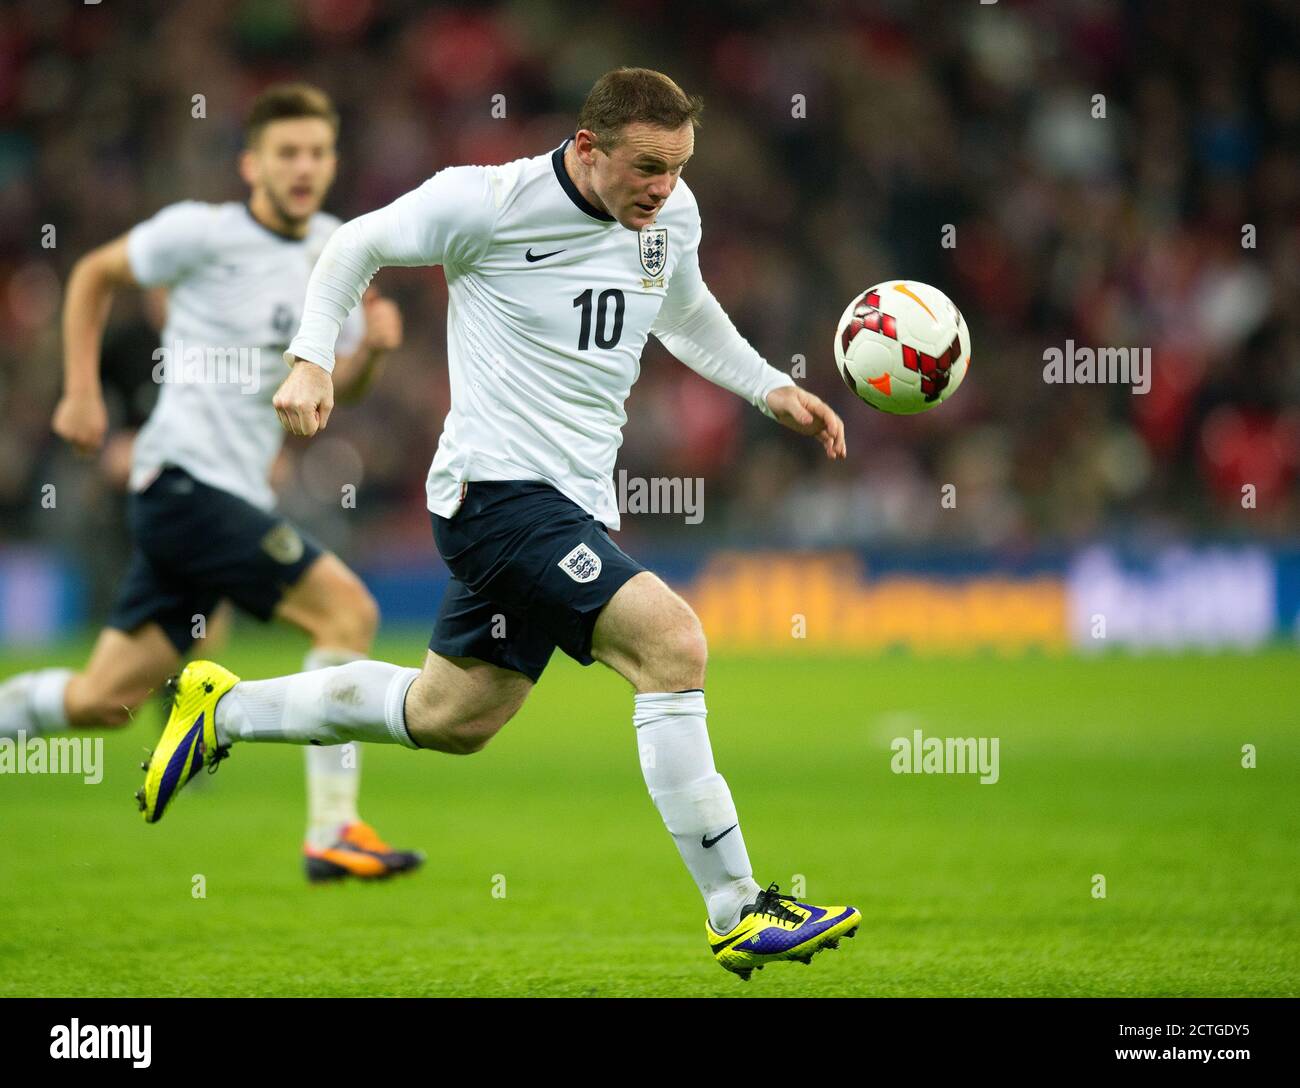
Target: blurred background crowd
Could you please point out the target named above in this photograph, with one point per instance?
(1166, 215)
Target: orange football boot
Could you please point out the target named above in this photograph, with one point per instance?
(361, 853)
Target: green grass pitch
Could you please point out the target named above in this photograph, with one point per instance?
(1129, 768)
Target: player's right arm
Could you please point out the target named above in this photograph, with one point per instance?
(161, 251)
(448, 220)
(80, 417)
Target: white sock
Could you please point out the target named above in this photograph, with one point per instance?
(694, 801)
(333, 772)
(362, 701)
(333, 782)
(32, 703)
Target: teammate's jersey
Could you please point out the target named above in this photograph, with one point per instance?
(236, 295)
(551, 302)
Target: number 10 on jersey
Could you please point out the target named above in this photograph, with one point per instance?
(613, 295)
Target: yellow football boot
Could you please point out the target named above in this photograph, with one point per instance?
(189, 740)
(776, 927)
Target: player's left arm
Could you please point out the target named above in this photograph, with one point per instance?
(694, 327)
(355, 370)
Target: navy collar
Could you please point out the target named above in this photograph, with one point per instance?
(566, 183)
(271, 230)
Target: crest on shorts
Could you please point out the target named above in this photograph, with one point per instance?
(654, 249)
(581, 564)
(283, 544)
(283, 320)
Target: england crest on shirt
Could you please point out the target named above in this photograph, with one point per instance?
(654, 250)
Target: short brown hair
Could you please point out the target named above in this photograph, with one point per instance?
(628, 95)
(286, 101)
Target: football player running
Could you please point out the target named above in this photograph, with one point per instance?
(558, 268)
(201, 508)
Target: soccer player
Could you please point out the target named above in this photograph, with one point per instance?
(558, 268)
(201, 508)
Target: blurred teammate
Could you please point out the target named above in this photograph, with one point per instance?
(201, 508)
(558, 268)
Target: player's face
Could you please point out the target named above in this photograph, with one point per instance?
(294, 163)
(635, 179)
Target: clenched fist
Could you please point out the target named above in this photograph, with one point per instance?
(305, 399)
(82, 420)
(383, 322)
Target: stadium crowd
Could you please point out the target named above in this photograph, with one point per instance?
(1091, 170)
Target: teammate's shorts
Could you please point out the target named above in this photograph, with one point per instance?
(530, 571)
(195, 545)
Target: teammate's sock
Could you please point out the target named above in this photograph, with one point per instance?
(333, 772)
(361, 701)
(333, 780)
(32, 703)
(694, 801)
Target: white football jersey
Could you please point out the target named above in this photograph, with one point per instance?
(550, 305)
(236, 295)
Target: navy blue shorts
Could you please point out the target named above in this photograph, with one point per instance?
(530, 571)
(195, 545)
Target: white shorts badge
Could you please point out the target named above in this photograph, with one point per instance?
(581, 564)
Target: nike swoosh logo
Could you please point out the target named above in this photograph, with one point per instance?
(706, 842)
(530, 256)
(716, 948)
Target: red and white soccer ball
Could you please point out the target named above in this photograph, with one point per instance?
(902, 346)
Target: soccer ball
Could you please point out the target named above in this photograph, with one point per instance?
(902, 346)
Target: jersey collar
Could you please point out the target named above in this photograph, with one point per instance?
(271, 230)
(571, 190)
